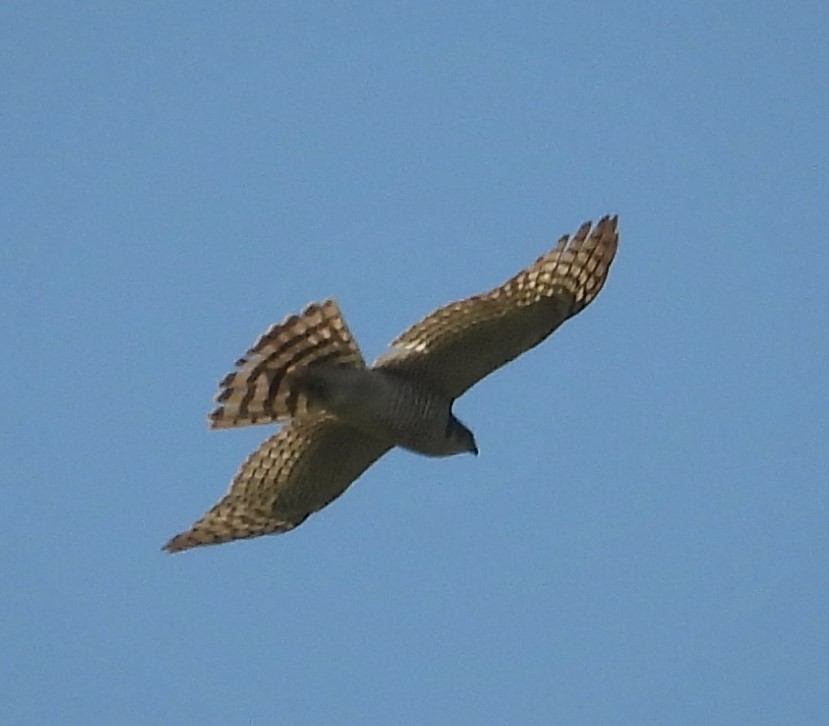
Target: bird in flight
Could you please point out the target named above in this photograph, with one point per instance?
(341, 415)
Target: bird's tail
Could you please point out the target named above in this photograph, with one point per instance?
(262, 389)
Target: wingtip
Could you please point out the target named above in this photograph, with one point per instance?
(187, 541)
(608, 219)
(171, 547)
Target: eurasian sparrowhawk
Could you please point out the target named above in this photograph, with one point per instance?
(340, 416)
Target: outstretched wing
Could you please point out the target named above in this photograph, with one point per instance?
(293, 474)
(457, 345)
(259, 391)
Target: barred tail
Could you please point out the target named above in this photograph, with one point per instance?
(261, 390)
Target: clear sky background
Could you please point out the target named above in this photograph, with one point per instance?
(643, 538)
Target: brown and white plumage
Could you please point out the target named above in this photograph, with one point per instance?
(342, 416)
(259, 390)
(306, 465)
(457, 345)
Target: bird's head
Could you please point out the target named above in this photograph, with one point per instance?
(459, 438)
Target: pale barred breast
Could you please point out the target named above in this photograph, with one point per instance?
(386, 406)
(416, 415)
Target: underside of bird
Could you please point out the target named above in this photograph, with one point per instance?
(339, 416)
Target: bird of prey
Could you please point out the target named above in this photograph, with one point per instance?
(340, 415)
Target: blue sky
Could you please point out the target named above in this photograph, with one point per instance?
(643, 538)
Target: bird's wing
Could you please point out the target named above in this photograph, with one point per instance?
(259, 391)
(457, 345)
(298, 471)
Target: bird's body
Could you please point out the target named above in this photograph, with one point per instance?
(341, 416)
(385, 406)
